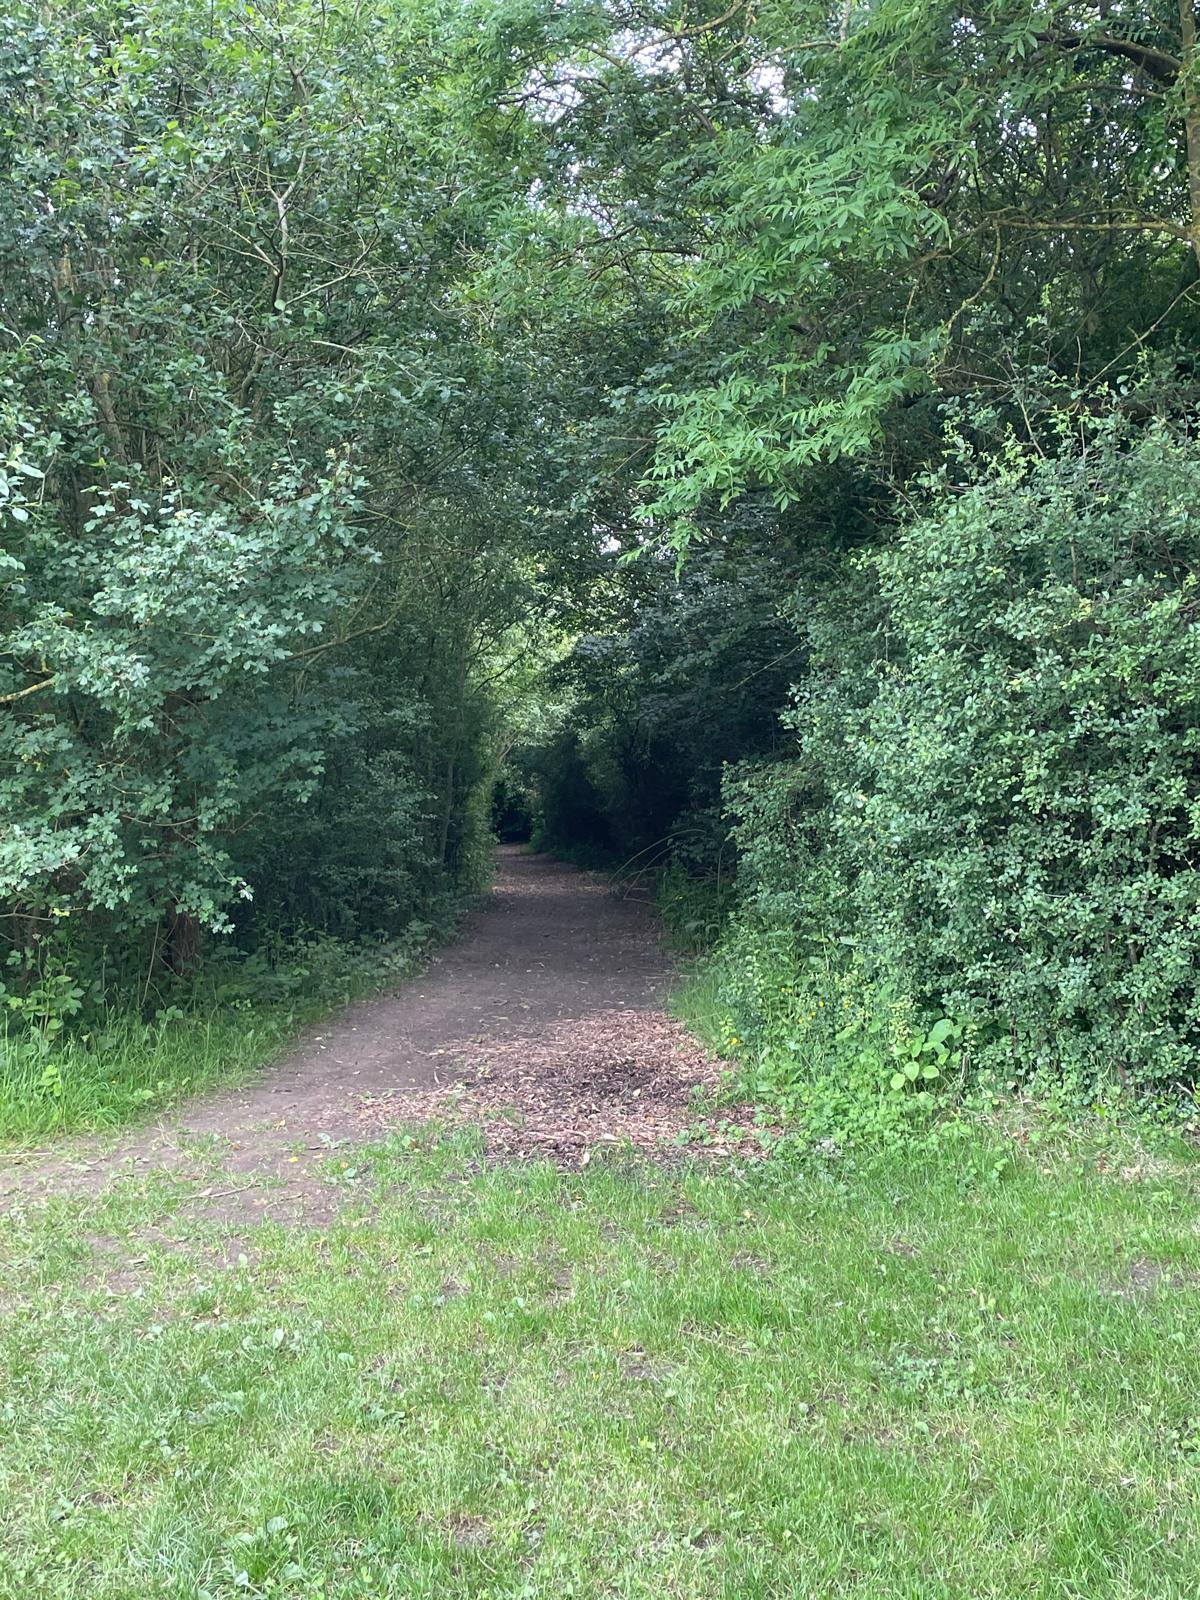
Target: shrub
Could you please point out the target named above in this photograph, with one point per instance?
(995, 802)
(846, 1059)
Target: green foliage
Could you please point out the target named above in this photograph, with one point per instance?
(40, 996)
(512, 809)
(693, 909)
(999, 818)
(866, 235)
(569, 811)
(347, 357)
(1048, 619)
(846, 1061)
(265, 475)
(909, 168)
(692, 674)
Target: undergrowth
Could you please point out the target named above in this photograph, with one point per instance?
(840, 1059)
(75, 1056)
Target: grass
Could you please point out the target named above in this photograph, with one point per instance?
(129, 1068)
(975, 1379)
(700, 1002)
(235, 1019)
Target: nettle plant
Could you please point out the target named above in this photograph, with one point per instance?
(38, 995)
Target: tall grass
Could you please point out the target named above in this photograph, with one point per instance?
(112, 1065)
(100, 1080)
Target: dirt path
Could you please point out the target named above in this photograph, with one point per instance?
(545, 1021)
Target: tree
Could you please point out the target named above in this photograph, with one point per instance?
(254, 426)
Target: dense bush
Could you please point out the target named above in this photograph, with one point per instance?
(252, 577)
(998, 820)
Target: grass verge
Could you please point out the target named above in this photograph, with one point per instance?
(976, 1379)
(130, 1068)
(234, 1020)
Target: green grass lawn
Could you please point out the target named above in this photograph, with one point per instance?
(921, 1380)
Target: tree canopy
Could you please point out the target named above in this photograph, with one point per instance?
(764, 430)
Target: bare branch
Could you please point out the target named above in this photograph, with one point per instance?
(19, 694)
(1159, 64)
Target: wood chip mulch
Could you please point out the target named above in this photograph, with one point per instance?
(618, 1079)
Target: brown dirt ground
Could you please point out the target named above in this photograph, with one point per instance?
(545, 1023)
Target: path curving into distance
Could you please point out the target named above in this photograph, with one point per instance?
(545, 1022)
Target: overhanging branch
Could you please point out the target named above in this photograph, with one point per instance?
(19, 694)
(1160, 64)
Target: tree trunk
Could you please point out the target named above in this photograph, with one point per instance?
(181, 946)
(447, 811)
(1190, 80)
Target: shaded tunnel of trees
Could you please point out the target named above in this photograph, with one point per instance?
(760, 446)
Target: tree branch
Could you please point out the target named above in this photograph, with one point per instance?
(1191, 114)
(19, 694)
(1159, 64)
